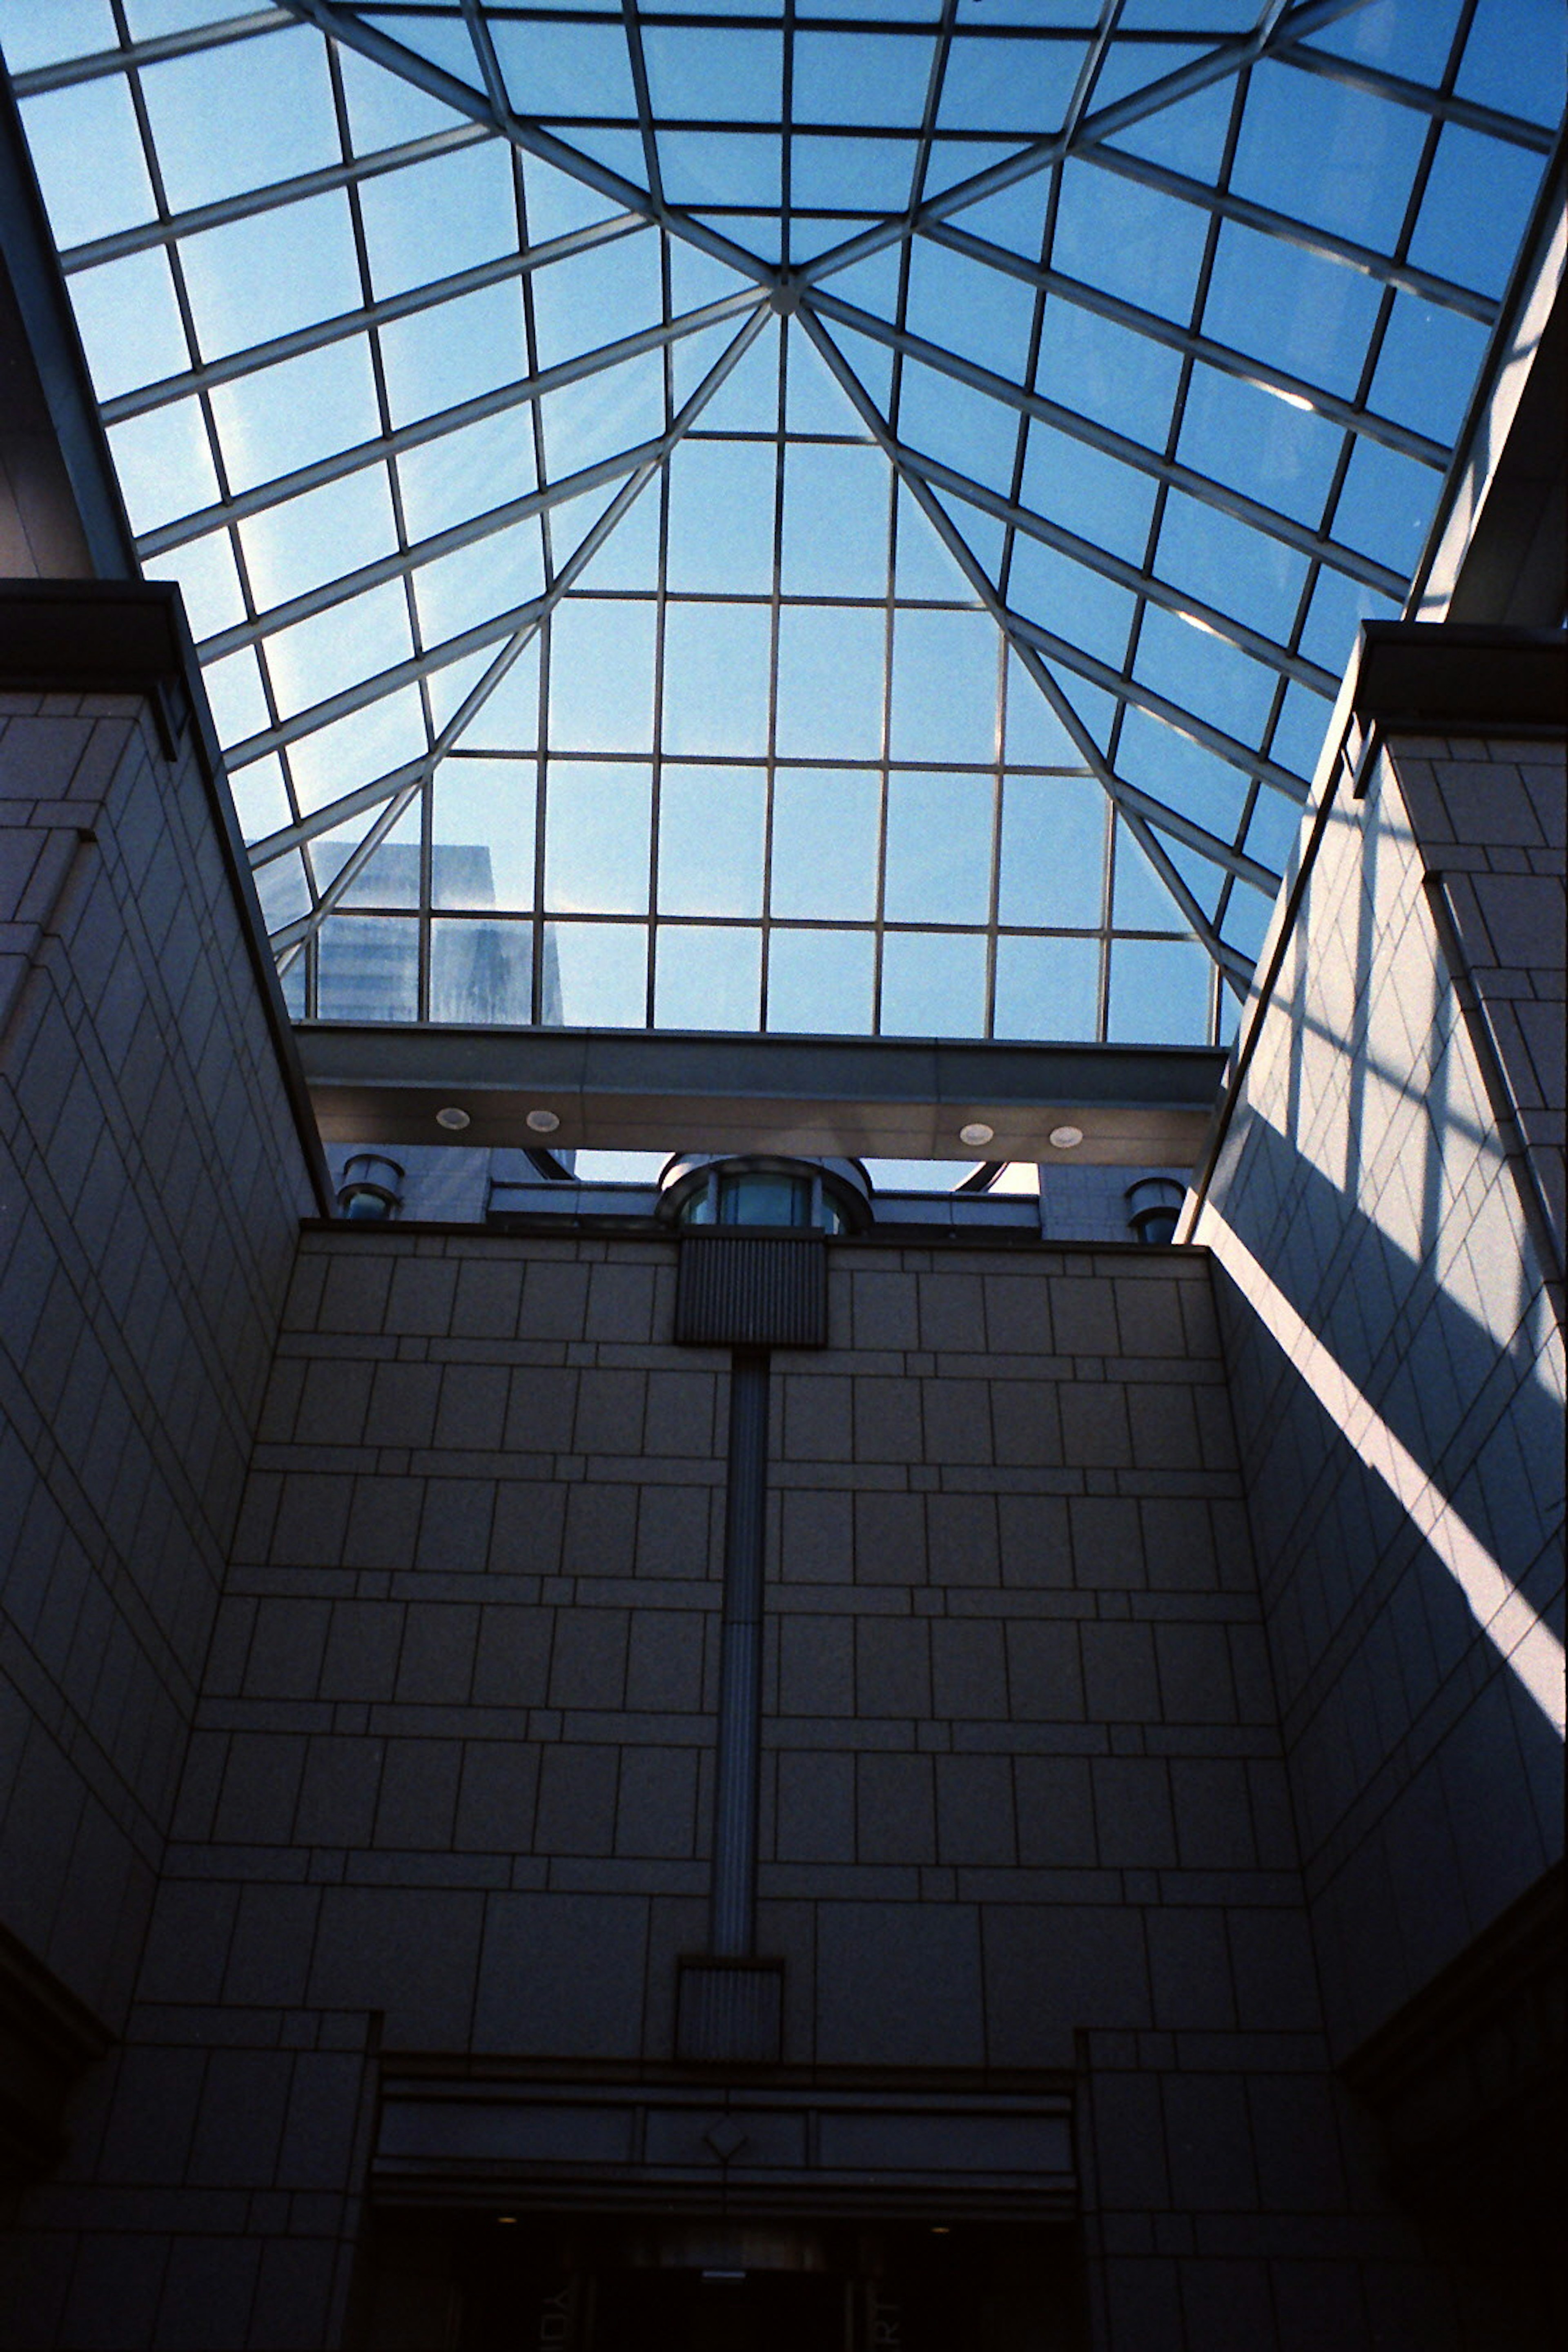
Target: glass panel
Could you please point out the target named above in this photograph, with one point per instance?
(721, 517)
(1228, 565)
(993, 85)
(482, 973)
(595, 297)
(367, 968)
(463, 590)
(1095, 368)
(1477, 200)
(716, 679)
(1307, 315)
(1257, 442)
(467, 473)
(945, 686)
(335, 649)
(209, 583)
(257, 278)
(390, 873)
(41, 32)
(1071, 601)
(1322, 151)
(707, 977)
(876, 78)
(831, 667)
(938, 849)
(1159, 992)
(1181, 774)
(163, 461)
(1386, 504)
(933, 984)
(350, 751)
(971, 309)
(1035, 735)
(302, 542)
(601, 675)
(725, 77)
(835, 508)
(717, 167)
(482, 833)
(820, 983)
(596, 835)
(1428, 367)
(1088, 493)
(1193, 668)
(826, 827)
(433, 219)
(599, 972)
(130, 323)
(1048, 989)
(557, 68)
(242, 114)
(1053, 851)
(453, 352)
(296, 413)
(94, 119)
(1129, 240)
(1515, 58)
(713, 826)
(1139, 901)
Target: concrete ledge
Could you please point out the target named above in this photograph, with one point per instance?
(1438, 675)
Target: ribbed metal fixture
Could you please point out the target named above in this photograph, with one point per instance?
(730, 2015)
(734, 1881)
(752, 1290)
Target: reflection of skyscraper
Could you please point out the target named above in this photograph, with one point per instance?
(481, 969)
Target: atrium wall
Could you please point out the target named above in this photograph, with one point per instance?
(1394, 1168)
(150, 1191)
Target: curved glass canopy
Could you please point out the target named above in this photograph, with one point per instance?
(834, 518)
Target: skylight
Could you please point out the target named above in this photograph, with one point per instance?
(837, 520)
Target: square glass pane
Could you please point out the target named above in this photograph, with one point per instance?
(716, 679)
(993, 85)
(707, 977)
(826, 825)
(450, 479)
(1160, 993)
(835, 511)
(721, 167)
(1386, 504)
(349, 752)
(946, 687)
(453, 352)
(933, 984)
(721, 517)
(508, 717)
(696, 74)
(597, 832)
(252, 280)
(1128, 240)
(432, 219)
(595, 297)
(301, 542)
(367, 968)
(1477, 201)
(130, 323)
(1094, 368)
(1296, 310)
(1094, 496)
(163, 464)
(1428, 367)
(1070, 600)
(831, 669)
(559, 68)
(1257, 442)
(1174, 769)
(1053, 852)
(472, 585)
(482, 973)
(293, 413)
(820, 983)
(63, 126)
(1199, 673)
(482, 833)
(938, 849)
(1228, 565)
(596, 975)
(389, 876)
(1047, 990)
(1035, 735)
(877, 79)
(967, 307)
(241, 114)
(333, 650)
(209, 582)
(1326, 152)
(601, 675)
(713, 826)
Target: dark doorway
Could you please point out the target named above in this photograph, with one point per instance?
(520, 2282)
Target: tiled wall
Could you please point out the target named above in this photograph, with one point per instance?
(149, 1197)
(1024, 1805)
(1365, 1173)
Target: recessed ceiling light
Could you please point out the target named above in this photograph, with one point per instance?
(542, 1122)
(1065, 1138)
(976, 1133)
(453, 1119)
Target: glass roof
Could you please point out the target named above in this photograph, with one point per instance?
(834, 518)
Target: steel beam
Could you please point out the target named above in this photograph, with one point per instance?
(653, 1090)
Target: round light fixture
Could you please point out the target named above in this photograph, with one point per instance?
(976, 1133)
(453, 1119)
(541, 1123)
(1065, 1138)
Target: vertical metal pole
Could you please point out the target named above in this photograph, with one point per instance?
(734, 1881)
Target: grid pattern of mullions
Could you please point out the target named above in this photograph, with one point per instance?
(1201, 754)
